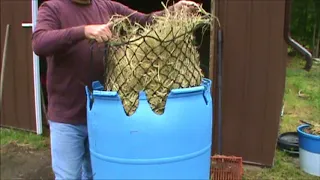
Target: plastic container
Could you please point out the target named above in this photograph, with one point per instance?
(226, 167)
(309, 151)
(174, 145)
(288, 142)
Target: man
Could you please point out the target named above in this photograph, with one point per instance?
(63, 27)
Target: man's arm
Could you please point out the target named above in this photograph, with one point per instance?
(48, 38)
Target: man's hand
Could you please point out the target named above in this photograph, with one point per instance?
(100, 33)
(190, 5)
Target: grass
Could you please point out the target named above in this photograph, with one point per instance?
(284, 168)
(296, 108)
(22, 138)
(301, 108)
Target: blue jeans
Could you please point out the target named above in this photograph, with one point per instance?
(70, 151)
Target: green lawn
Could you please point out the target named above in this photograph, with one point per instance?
(296, 108)
(301, 108)
(22, 138)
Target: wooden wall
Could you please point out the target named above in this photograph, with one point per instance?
(254, 66)
(18, 94)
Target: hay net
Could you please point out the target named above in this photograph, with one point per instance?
(154, 58)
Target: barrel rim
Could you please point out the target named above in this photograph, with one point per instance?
(205, 86)
(306, 135)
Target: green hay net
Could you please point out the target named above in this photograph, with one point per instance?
(155, 58)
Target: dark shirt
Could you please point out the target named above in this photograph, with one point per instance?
(59, 36)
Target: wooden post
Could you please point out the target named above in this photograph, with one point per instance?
(212, 43)
(212, 72)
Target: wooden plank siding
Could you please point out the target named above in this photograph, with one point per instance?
(18, 94)
(254, 65)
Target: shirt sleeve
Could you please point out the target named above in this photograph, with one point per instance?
(134, 15)
(48, 38)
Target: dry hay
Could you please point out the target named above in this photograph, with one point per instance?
(154, 58)
(313, 129)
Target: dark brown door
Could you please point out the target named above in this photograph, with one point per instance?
(254, 66)
(18, 107)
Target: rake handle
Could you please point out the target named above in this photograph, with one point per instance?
(3, 65)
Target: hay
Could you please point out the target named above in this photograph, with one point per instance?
(155, 58)
(313, 129)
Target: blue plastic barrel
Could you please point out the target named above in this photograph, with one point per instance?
(309, 151)
(145, 145)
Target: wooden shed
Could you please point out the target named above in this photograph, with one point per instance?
(254, 65)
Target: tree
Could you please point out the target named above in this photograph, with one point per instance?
(305, 24)
(316, 31)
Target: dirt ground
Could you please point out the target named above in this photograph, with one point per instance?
(19, 162)
(22, 162)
